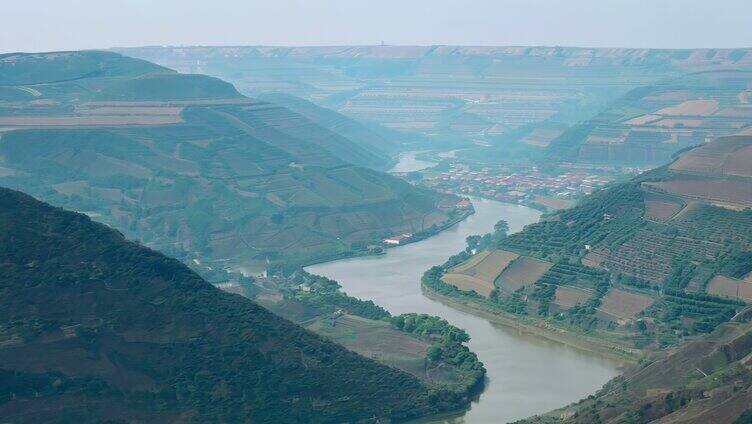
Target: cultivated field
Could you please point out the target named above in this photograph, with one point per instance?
(730, 287)
(643, 119)
(554, 203)
(567, 296)
(680, 123)
(725, 156)
(132, 110)
(522, 272)
(467, 283)
(623, 304)
(479, 272)
(67, 121)
(734, 193)
(660, 208)
(541, 137)
(691, 108)
(376, 340)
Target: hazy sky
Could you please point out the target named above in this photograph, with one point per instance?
(37, 25)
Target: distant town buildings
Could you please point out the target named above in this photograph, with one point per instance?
(464, 203)
(519, 185)
(398, 239)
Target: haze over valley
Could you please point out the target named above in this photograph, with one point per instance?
(196, 229)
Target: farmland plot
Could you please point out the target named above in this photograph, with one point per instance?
(730, 287)
(622, 304)
(479, 272)
(523, 272)
(566, 297)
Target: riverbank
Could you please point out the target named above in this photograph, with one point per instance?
(527, 374)
(539, 327)
(417, 237)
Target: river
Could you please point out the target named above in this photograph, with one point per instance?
(527, 374)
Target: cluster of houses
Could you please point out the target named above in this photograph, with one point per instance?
(501, 183)
(399, 239)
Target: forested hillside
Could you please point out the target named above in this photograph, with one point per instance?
(187, 165)
(99, 329)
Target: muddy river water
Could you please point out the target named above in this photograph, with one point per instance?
(526, 374)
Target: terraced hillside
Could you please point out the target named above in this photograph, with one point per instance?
(187, 165)
(94, 328)
(644, 263)
(705, 381)
(651, 123)
(450, 94)
(372, 137)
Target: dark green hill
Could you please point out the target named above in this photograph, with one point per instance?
(186, 165)
(95, 328)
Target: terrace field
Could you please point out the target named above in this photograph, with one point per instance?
(480, 272)
(522, 273)
(641, 263)
(187, 165)
(649, 124)
(731, 287)
(622, 304)
(504, 104)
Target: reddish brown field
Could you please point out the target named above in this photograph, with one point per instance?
(468, 283)
(480, 271)
(733, 193)
(541, 137)
(691, 108)
(522, 272)
(94, 120)
(566, 296)
(660, 208)
(730, 287)
(623, 304)
(724, 156)
(553, 203)
(675, 123)
(737, 112)
(159, 103)
(473, 261)
(740, 163)
(643, 119)
(134, 110)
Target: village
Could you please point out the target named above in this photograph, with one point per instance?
(527, 185)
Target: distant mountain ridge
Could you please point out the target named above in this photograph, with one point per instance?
(575, 56)
(481, 98)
